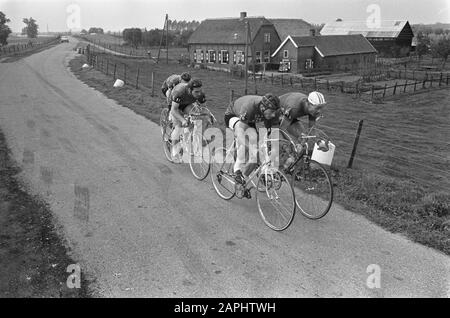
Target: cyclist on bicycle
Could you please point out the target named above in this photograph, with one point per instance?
(183, 96)
(296, 105)
(172, 81)
(241, 116)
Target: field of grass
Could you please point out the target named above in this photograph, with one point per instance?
(117, 44)
(14, 40)
(401, 173)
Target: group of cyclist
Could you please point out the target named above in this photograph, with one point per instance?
(242, 115)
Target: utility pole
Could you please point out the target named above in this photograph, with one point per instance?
(246, 57)
(162, 36)
(167, 39)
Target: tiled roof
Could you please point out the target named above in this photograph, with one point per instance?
(226, 31)
(332, 45)
(387, 28)
(292, 27)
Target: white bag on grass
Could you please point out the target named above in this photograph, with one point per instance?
(118, 83)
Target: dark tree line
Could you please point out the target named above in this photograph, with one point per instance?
(182, 25)
(155, 37)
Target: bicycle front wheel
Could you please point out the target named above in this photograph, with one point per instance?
(222, 164)
(313, 189)
(166, 130)
(276, 204)
(200, 157)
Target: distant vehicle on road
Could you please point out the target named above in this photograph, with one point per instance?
(64, 39)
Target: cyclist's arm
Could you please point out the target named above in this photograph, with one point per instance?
(312, 121)
(177, 112)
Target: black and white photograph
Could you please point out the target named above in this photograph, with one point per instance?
(231, 156)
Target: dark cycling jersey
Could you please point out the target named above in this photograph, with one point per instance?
(247, 109)
(170, 82)
(180, 94)
(294, 106)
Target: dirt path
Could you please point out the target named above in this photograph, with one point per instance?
(145, 227)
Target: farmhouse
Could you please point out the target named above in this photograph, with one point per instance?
(334, 52)
(221, 42)
(390, 38)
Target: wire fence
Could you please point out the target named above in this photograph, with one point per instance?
(12, 49)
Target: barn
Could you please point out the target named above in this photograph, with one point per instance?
(332, 52)
(391, 38)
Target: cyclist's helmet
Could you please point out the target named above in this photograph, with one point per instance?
(270, 101)
(195, 83)
(316, 98)
(185, 76)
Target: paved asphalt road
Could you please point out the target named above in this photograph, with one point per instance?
(144, 227)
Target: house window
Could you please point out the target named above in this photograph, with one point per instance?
(212, 56)
(198, 56)
(258, 57)
(240, 58)
(285, 54)
(225, 57)
(266, 56)
(309, 64)
(266, 37)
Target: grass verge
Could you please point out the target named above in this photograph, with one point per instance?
(398, 205)
(33, 258)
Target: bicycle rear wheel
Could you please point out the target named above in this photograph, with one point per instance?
(221, 173)
(276, 204)
(313, 189)
(200, 157)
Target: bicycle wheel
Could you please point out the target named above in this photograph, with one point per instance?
(313, 189)
(199, 159)
(222, 173)
(166, 140)
(277, 204)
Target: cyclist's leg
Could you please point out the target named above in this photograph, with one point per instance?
(246, 167)
(169, 100)
(175, 136)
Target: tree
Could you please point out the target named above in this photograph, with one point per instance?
(423, 45)
(96, 30)
(4, 29)
(132, 36)
(31, 29)
(441, 48)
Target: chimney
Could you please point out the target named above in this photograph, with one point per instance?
(243, 15)
(312, 32)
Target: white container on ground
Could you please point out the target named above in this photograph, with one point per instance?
(85, 65)
(323, 157)
(118, 83)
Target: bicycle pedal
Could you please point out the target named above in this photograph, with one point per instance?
(247, 194)
(239, 191)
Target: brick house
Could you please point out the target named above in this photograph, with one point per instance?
(221, 42)
(334, 52)
(390, 38)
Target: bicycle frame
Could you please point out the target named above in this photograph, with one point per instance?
(250, 183)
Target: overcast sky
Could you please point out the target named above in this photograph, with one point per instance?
(60, 15)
